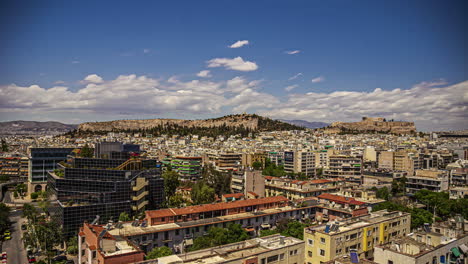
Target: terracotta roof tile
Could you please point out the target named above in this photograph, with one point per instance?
(340, 199)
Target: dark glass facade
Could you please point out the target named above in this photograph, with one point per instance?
(91, 187)
(42, 160)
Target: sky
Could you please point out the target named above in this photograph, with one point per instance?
(324, 61)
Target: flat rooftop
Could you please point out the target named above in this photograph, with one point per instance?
(232, 252)
(129, 230)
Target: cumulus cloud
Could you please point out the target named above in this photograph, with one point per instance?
(204, 74)
(292, 52)
(318, 79)
(295, 76)
(237, 64)
(92, 78)
(239, 44)
(135, 95)
(290, 87)
(428, 107)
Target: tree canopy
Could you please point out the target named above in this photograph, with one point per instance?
(202, 193)
(171, 182)
(158, 252)
(220, 236)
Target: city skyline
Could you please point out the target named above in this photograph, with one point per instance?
(304, 60)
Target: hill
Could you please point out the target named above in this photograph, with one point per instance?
(306, 124)
(243, 124)
(34, 128)
(372, 125)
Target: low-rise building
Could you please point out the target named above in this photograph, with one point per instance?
(269, 249)
(97, 245)
(423, 248)
(15, 166)
(360, 234)
(297, 189)
(248, 181)
(432, 180)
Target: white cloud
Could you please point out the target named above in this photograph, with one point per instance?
(204, 74)
(239, 44)
(92, 78)
(318, 79)
(135, 96)
(237, 64)
(292, 52)
(428, 107)
(295, 76)
(146, 51)
(75, 62)
(291, 87)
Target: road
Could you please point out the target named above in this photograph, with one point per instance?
(14, 247)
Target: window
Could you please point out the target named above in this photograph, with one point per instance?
(309, 253)
(272, 259)
(310, 242)
(263, 261)
(322, 240)
(282, 256)
(293, 252)
(369, 232)
(322, 252)
(390, 262)
(177, 232)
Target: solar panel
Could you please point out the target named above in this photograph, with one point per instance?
(354, 257)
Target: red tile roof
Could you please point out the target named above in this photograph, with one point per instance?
(213, 207)
(235, 195)
(339, 199)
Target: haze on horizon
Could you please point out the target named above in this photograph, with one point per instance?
(309, 60)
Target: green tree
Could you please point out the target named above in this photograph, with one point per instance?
(158, 252)
(177, 200)
(171, 182)
(124, 217)
(257, 165)
(202, 193)
(399, 186)
(4, 217)
(383, 193)
(87, 152)
(220, 236)
(72, 246)
(4, 146)
(272, 170)
(34, 195)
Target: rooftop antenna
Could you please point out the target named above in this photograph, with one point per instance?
(95, 220)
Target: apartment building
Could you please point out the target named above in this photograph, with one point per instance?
(97, 245)
(406, 160)
(228, 161)
(15, 166)
(189, 168)
(248, 181)
(177, 227)
(85, 188)
(432, 180)
(459, 177)
(300, 162)
(296, 189)
(423, 248)
(270, 249)
(346, 167)
(248, 159)
(385, 160)
(276, 157)
(359, 234)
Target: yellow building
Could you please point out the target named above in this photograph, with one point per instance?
(326, 242)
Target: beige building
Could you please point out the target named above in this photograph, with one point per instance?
(326, 242)
(386, 160)
(432, 180)
(370, 154)
(296, 189)
(423, 248)
(270, 249)
(249, 181)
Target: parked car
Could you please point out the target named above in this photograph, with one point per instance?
(31, 259)
(60, 258)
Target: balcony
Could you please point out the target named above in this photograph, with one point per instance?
(139, 206)
(141, 195)
(140, 183)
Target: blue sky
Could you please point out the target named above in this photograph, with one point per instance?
(347, 46)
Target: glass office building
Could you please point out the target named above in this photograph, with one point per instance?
(42, 160)
(84, 188)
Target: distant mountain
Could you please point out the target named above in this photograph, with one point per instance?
(34, 128)
(243, 124)
(305, 124)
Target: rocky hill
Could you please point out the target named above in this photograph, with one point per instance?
(34, 128)
(374, 124)
(306, 124)
(226, 125)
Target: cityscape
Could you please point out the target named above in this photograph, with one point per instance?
(239, 132)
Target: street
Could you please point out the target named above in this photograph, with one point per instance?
(14, 247)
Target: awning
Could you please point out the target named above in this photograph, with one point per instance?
(249, 229)
(455, 252)
(265, 225)
(188, 242)
(464, 248)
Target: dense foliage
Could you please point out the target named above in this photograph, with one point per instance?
(217, 236)
(272, 170)
(441, 204)
(86, 152)
(418, 216)
(4, 220)
(158, 252)
(219, 181)
(4, 146)
(202, 193)
(171, 182)
(287, 228)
